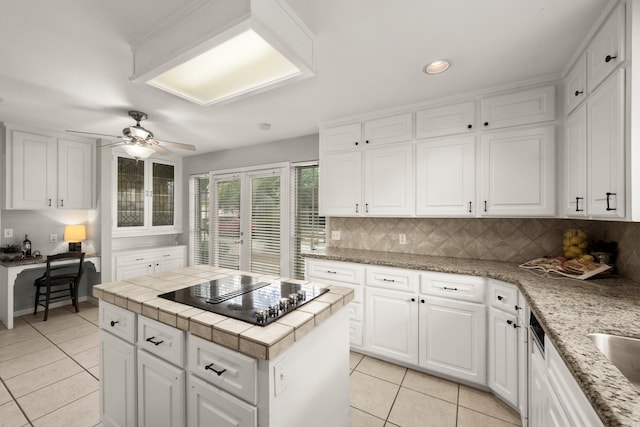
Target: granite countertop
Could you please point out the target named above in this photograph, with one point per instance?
(140, 295)
(568, 309)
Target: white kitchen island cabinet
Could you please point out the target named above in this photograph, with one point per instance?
(189, 367)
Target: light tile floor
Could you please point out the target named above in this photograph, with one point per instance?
(49, 377)
(49, 370)
(387, 395)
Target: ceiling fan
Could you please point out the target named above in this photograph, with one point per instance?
(139, 142)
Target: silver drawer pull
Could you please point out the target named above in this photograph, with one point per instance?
(211, 368)
(150, 339)
(139, 259)
(166, 255)
(388, 280)
(332, 272)
(450, 289)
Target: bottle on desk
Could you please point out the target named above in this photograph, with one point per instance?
(26, 246)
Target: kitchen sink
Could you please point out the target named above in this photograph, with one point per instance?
(622, 352)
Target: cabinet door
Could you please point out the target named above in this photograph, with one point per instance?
(209, 406)
(538, 406)
(575, 84)
(388, 130)
(503, 355)
(605, 120)
(341, 184)
(131, 198)
(575, 163)
(161, 393)
(446, 177)
(117, 382)
(607, 49)
(517, 172)
(453, 338)
(167, 265)
(556, 417)
(519, 108)
(447, 120)
(388, 181)
(75, 174)
(392, 324)
(523, 371)
(32, 162)
(143, 269)
(163, 194)
(347, 137)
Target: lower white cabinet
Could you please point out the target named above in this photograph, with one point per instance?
(503, 355)
(392, 324)
(537, 388)
(117, 381)
(161, 392)
(209, 406)
(134, 263)
(453, 338)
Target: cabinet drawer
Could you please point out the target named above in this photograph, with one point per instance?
(456, 286)
(224, 368)
(133, 259)
(118, 321)
(140, 257)
(503, 296)
(209, 406)
(356, 311)
(334, 271)
(161, 340)
(392, 278)
(355, 333)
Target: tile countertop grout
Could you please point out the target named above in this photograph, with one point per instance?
(568, 309)
(139, 295)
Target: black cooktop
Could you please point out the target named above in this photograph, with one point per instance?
(245, 298)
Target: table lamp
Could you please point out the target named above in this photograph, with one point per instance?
(74, 234)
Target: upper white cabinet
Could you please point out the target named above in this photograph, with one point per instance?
(607, 48)
(517, 172)
(46, 171)
(370, 173)
(575, 163)
(446, 120)
(605, 135)
(446, 177)
(518, 108)
(575, 84)
(145, 196)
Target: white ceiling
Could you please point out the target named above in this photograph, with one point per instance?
(65, 64)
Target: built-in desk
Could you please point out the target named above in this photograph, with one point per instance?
(9, 271)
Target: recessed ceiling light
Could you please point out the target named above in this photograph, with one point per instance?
(437, 67)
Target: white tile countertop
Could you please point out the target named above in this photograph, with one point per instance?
(140, 295)
(568, 309)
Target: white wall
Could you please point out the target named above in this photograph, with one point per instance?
(304, 148)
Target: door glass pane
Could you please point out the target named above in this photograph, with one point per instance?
(226, 225)
(130, 192)
(163, 194)
(265, 225)
(199, 220)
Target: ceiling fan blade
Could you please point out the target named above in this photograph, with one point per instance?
(158, 149)
(93, 133)
(112, 144)
(179, 145)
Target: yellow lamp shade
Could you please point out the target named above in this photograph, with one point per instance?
(75, 233)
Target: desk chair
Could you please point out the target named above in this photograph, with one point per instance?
(59, 281)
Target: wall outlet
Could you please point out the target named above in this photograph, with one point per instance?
(335, 235)
(8, 233)
(53, 238)
(402, 238)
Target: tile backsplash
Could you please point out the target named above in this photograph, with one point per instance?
(502, 239)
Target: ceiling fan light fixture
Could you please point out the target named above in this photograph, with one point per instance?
(437, 67)
(137, 151)
(227, 49)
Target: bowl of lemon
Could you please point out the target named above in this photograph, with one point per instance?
(575, 244)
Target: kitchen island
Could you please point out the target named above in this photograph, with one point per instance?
(568, 310)
(198, 368)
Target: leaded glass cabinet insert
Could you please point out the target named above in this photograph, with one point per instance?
(163, 194)
(130, 212)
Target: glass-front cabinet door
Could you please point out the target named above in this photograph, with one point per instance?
(145, 196)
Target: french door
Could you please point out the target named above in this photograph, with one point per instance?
(249, 221)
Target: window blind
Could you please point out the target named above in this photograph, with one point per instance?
(265, 224)
(307, 226)
(226, 223)
(199, 220)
